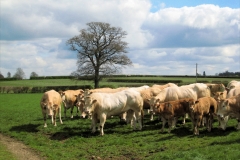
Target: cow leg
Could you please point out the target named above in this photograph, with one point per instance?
(59, 114)
(171, 122)
(209, 122)
(102, 122)
(129, 117)
(94, 123)
(184, 118)
(195, 126)
(45, 119)
(54, 117)
(72, 112)
(139, 119)
(151, 116)
(77, 111)
(163, 123)
(199, 120)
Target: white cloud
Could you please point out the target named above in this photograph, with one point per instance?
(168, 41)
(206, 25)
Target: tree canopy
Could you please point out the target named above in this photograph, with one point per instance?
(33, 74)
(101, 51)
(19, 74)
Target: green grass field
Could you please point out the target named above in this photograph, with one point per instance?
(21, 118)
(104, 82)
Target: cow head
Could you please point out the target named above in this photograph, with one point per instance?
(192, 105)
(47, 108)
(154, 103)
(223, 121)
(218, 96)
(87, 92)
(80, 99)
(89, 104)
(223, 107)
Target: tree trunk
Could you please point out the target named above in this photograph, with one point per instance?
(96, 79)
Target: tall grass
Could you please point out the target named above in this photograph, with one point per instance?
(21, 118)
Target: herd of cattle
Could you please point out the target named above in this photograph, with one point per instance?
(200, 102)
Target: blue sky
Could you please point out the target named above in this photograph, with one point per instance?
(165, 37)
(157, 4)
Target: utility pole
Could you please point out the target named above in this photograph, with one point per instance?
(196, 72)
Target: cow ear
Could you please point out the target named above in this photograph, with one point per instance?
(81, 91)
(227, 89)
(43, 103)
(94, 101)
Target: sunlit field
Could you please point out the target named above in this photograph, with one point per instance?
(21, 118)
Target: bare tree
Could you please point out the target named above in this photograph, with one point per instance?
(101, 51)
(33, 74)
(19, 74)
(8, 75)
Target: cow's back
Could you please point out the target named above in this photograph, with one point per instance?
(206, 104)
(54, 97)
(233, 84)
(233, 92)
(71, 96)
(51, 97)
(118, 102)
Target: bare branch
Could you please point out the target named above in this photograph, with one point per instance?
(100, 49)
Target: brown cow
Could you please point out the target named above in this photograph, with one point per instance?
(69, 99)
(151, 92)
(203, 107)
(170, 111)
(51, 105)
(220, 95)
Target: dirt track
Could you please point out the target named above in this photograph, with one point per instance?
(17, 148)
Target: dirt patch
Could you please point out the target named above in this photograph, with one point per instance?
(17, 148)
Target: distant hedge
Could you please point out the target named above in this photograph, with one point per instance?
(8, 79)
(144, 81)
(10, 89)
(51, 77)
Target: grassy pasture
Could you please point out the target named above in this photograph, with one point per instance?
(21, 119)
(104, 82)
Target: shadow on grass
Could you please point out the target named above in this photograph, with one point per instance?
(32, 128)
(226, 142)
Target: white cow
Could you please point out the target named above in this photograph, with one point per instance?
(232, 84)
(233, 92)
(51, 105)
(104, 105)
